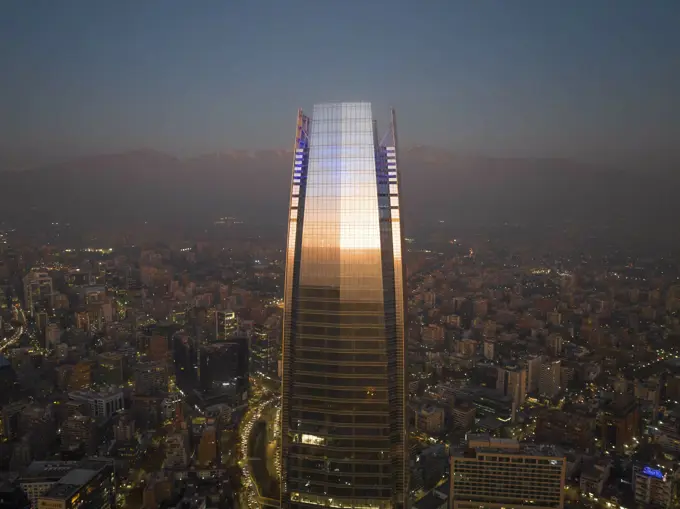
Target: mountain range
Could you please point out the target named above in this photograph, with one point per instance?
(437, 185)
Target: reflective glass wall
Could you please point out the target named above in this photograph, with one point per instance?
(343, 431)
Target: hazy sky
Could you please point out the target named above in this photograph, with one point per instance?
(584, 78)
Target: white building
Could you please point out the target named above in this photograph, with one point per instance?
(102, 404)
(653, 486)
(40, 476)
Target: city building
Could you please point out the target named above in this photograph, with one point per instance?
(512, 382)
(549, 381)
(574, 429)
(52, 335)
(555, 344)
(110, 368)
(430, 419)
(489, 349)
(124, 430)
(224, 365)
(40, 476)
(343, 340)
(78, 432)
(466, 347)
(37, 290)
(90, 486)
(498, 473)
(226, 324)
(207, 447)
(176, 454)
(264, 350)
(619, 424)
(463, 415)
(158, 350)
(80, 376)
(151, 378)
(594, 475)
(533, 372)
(9, 421)
(102, 403)
(653, 486)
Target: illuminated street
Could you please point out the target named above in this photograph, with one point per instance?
(261, 401)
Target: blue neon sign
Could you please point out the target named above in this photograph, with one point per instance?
(653, 472)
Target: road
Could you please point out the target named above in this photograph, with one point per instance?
(262, 400)
(16, 336)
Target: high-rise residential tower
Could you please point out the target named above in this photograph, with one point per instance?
(343, 405)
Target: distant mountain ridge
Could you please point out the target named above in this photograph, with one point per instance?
(436, 184)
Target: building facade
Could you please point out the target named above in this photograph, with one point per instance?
(496, 473)
(90, 486)
(343, 403)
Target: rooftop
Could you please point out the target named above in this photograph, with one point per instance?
(485, 444)
(76, 479)
(47, 470)
(104, 393)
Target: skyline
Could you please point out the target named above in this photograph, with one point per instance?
(591, 82)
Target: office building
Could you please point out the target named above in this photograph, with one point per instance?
(653, 486)
(80, 376)
(263, 350)
(343, 403)
(430, 419)
(224, 365)
(52, 335)
(176, 454)
(110, 368)
(496, 473)
(9, 421)
(512, 382)
(90, 486)
(38, 291)
(151, 379)
(226, 324)
(102, 404)
(489, 349)
(207, 447)
(79, 432)
(533, 365)
(158, 350)
(549, 381)
(124, 430)
(463, 415)
(40, 476)
(619, 423)
(555, 344)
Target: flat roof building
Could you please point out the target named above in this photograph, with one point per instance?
(90, 486)
(497, 473)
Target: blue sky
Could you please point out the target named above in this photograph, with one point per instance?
(584, 78)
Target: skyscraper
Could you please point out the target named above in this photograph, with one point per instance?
(343, 405)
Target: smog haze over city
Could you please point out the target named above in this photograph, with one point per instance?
(302, 253)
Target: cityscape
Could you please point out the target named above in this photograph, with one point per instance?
(355, 321)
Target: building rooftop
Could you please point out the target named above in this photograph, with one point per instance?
(47, 470)
(76, 479)
(485, 444)
(104, 393)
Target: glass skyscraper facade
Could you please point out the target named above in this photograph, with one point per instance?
(343, 403)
